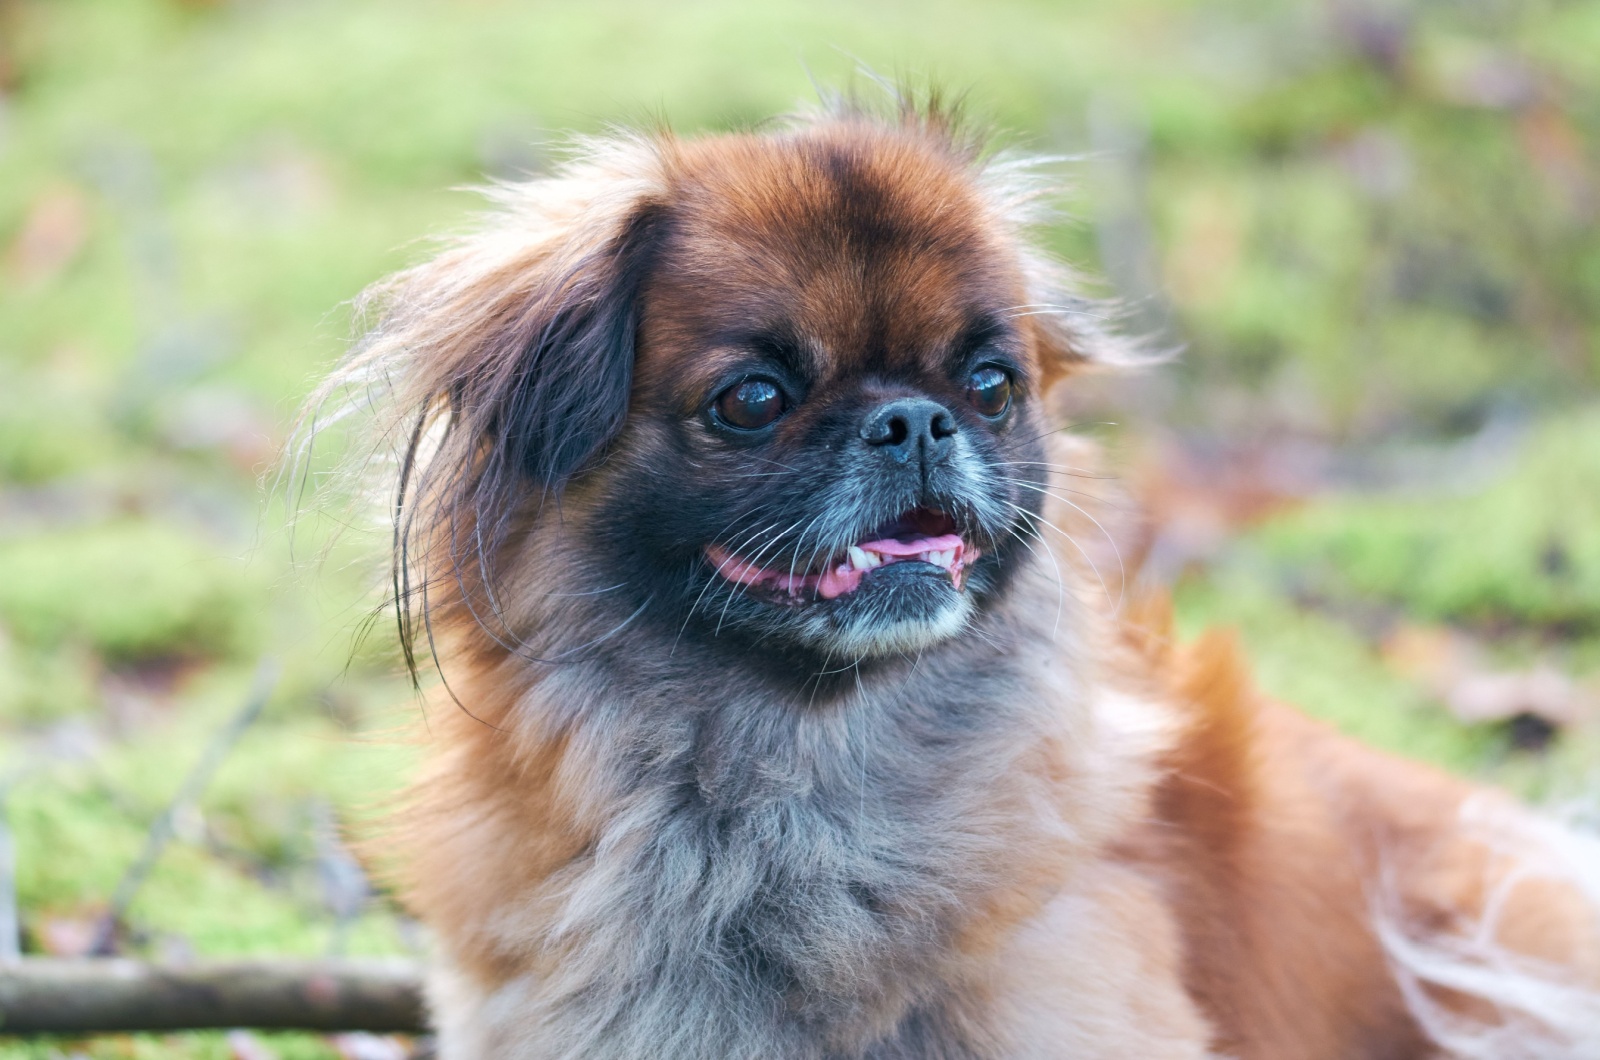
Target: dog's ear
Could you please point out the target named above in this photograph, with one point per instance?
(510, 355)
(568, 353)
(501, 369)
(1073, 333)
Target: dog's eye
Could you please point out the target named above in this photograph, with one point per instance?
(989, 391)
(750, 405)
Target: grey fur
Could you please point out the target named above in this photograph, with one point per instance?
(782, 866)
(774, 878)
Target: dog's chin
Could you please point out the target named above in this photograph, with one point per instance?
(899, 609)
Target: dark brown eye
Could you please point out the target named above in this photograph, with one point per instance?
(750, 405)
(989, 391)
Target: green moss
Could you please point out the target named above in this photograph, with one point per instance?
(131, 589)
(207, 1046)
(40, 684)
(240, 876)
(1323, 667)
(45, 436)
(1517, 556)
(1524, 550)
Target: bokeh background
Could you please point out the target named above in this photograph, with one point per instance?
(1370, 225)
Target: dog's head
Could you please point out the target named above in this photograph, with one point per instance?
(783, 388)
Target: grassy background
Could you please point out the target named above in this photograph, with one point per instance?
(1371, 225)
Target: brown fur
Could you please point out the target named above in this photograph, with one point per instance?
(1146, 859)
(1270, 831)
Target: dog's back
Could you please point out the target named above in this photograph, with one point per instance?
(1339, 902)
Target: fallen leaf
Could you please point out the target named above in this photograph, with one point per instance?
(52, 234)
(1436, 656)
(1555, 147)
(67, 936)
(1537, 702)
(359, 1045)
(1543, 692)
(242, 1045)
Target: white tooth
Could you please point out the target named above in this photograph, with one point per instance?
(875, 558)
(859, 558)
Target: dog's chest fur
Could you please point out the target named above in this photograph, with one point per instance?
(785, 879)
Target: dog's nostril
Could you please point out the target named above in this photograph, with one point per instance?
(907, 425)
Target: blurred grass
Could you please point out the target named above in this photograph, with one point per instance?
(1512, 561)
(175, 601)
(1523, 550)
(1362, 219)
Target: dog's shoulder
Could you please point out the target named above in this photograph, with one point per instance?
(1250, 851)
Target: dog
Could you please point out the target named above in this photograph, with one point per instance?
(779, 722)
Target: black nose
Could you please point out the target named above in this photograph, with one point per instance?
(908, 428)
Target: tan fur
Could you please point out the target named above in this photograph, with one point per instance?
(1273, 835)
(1152, 861)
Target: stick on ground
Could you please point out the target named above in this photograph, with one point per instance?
(194, 786)
(41, 995)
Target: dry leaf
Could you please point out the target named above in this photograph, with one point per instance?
(1435, 656)
(1538, 701)
(242, 1045)
(360, 1045)
(52, 235)
(1543, 692)
(67, 936)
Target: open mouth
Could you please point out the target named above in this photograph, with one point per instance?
(922, 535)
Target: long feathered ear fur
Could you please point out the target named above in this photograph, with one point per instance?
(570, 356)
(504, 364)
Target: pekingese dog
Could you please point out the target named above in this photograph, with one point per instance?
(780, 724)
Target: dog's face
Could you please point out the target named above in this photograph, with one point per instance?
(787, 389)
(834, 404)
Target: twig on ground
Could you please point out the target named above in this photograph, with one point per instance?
(10, 914)
(345, 890)
(10, 926)
(43, 995)
(194, 786)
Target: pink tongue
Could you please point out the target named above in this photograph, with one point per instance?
(836, 581)
(894, 547)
